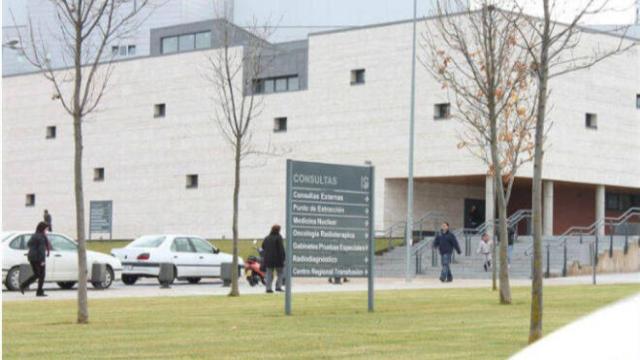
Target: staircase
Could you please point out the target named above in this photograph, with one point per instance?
(579, 244)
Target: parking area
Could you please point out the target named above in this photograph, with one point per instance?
(213, 287)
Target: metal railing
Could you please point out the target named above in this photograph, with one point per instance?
(592, 230)
(399, 229)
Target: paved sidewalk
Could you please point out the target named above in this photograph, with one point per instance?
(151, 288)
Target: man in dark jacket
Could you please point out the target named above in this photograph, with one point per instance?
(38, 252)
(446, 242)
(47, 219)
(273, 257)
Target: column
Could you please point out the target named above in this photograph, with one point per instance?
(547, 212)
(600, 213)
(489, 205)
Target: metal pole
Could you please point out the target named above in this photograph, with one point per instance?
(548, 262)
(611, 242)
(289, 263)
(409, 233)
(564, 261)
(626, 238)
(371, 241)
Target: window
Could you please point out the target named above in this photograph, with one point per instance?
(114, 51)
(148, 241)
(186, 42)
(276, 84)
(131, 50)
(357, 76)
(61, 243)
(181, 245)
(98, 174)
(159, 110)
(19, 243)
(201, 246)
(192, 181)
(51, 132)
(637, 101)
(269, 85)
(169, 45)
(591, 121)
(621, 202)
(30, 200)
(203, 40)
(442, 111)
(280, 124)
(293, 83)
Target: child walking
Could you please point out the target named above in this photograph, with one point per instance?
(484, 248)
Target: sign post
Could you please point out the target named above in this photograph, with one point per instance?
(330, 223)
(100, 217)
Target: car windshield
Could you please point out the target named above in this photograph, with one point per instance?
(5, 235)
(148, 241)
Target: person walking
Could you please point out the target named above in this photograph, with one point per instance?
(511, 239)
(484, 248)
(273, 257)
(446, 242)
(39, 249)
(47, 219)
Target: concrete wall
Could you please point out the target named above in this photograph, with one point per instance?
(146, 159)
(428, 196)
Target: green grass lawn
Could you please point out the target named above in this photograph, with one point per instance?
(245, 247)
(420, 324)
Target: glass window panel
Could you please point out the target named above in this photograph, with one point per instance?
(61, 243)
(186, 42)
(148, 241)
(268, 85)
(203, 40)
(281, 84)
(293, 83)
(201, 246)
(114, 50)
(132, 50)
(169, 45)
(181, 245)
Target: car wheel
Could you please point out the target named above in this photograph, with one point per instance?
(129, 279)
(66, 284)
(107, 281)
(175, 275)
(193, 280)
(12, 282)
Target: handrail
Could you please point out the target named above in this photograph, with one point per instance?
(429, 215)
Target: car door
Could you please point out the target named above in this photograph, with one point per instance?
(207, 259)
(184, 257)
(18, 251)
(64, 258)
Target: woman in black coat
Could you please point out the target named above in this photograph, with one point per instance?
(38, 252)
(273, 257)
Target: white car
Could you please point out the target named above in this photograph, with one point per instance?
(193, 258)
(61, 265)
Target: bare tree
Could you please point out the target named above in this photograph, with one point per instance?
(476, 55)
(85, 29)
(234, 70)
(555, 49)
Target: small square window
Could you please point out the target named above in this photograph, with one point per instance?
(357, 76)
(159, 110)
(591, 121)
(114, 51)
(637, 101)
(51, 132)
(98, 174)
(192, 181)
(442, 111)
(131, 50)
(30, 200)
(280, 124)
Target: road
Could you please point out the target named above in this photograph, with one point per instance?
(212, 287)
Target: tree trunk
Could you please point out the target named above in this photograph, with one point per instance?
(535, 327)
(505, 286)
(236, 195)
(83, 308)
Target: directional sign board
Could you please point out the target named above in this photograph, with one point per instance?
(329, 220)
(100, 217)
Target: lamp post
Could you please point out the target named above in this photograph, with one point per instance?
(409, 228)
